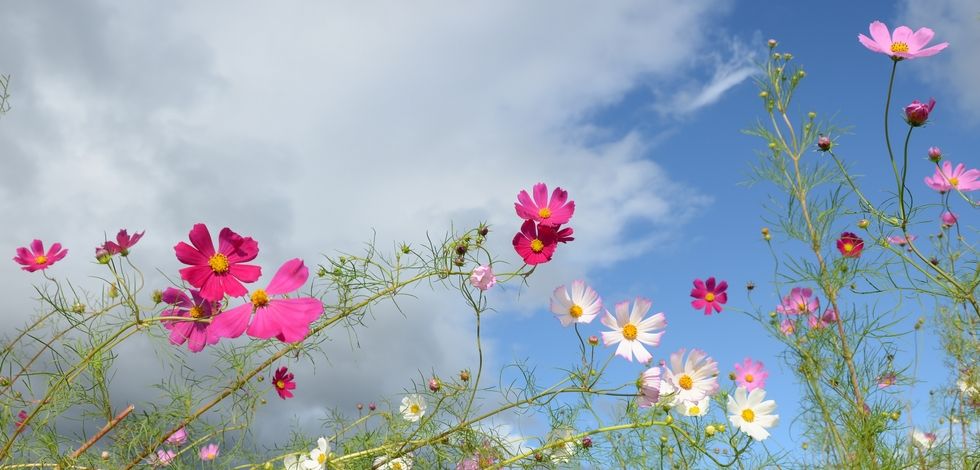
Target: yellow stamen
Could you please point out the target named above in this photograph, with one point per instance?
(321, 458)
(537, 245)
(802, 306)
(848, 247)
(196, 312)
(575, 311)
(219, 263)
(686, 382)
(630, 332)
(748, 378)
(544, 213)
(260, 298)
(40, 259)
(953, 181)
(900, 47)
(694, 410)
(709, 297)
(415, 409)
(748, 415)
(397, 466)
(280, 384)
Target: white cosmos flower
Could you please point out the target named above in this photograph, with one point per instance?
(297, 462)
(925, 440)
(564, 452)
(401, 463)
(317, 459)
(413, 407)
(581, 306)
(630, 329)
(690, 380)
(695, 409)
(750, 414)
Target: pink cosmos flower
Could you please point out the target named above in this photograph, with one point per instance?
(535, 243)
(902, 44)
(887, 380)
(286, 319)
(195, 333)
(123, 243)
(948, 178)
(482, 278)
(822, 321)
(208, 452)
(787, 326)
(850, 245)
(283, 382)
(178, 437)
(949, 219)
(163, 458)
(650, 387)
(799, 301)
(750, 375)
(548, 212)
(630, 329)
(708, 295)
(21, 418)
(900, 240)
(916, 113)
(36, 259)
(220, 272)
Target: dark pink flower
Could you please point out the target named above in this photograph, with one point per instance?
(36, 259)
(21, 418)
(535, 243)
(123, 243)
(220, 272)
(288, 319)
(750, 374)
(916, 113)
(708, 295)
(935, 154)
(949, 219)
(195, 333)
(947, 178)
(902, 44)
(850, 245)
(283, 382)
(824, 143)
(548, 212)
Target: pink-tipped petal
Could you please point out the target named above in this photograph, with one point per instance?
(290, 276)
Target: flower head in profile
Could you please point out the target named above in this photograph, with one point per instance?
(287, 319)
(887, 380)
(632, 331)
(208, 452)
(36, 258)
(708, 295)
(163, 458)
(916, 113)
(828, 318)
(123, 243)
(195, 333)
(550, 212)
(750, 374)
(413, 407)
(178, 437)
(690, 379)
(283, 382)
(949, 219)
(21, 418)
(799, 301)
(925, 440)
(401, 463)
(695, 409)
(535, 243)
(947, 178)
(482, 278)
(850, 245)
(750, 414)
(219, 272)
(902, 43)
(901, 240)
(581, 305)
(650, 387)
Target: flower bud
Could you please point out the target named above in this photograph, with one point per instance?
(113, 292)
(78, 307)
(669, 419)
(804, 445)
(483, 231)
(372, 406)
(731, 376)
(594, 340)
(157, 296)
(916, 113)
(788, 56)
(663, 439)
(896, 415)
(464, 375)
(772, 145)
(586, 442)
(919, 323)
(949, 219)
(824, 143)
(935, 154)
(721, 427)
(105, 455)
(434, 384)
(763, 94)
(360, 406)
(812, 115)
(538, 456)
(749, 285)
(710, 430)
(864, 223)
(102, 255)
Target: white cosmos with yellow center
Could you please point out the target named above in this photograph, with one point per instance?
(401, 463)
(632, 331)
(750, 414)
(413, 407)
(695, 409)
(581, 305)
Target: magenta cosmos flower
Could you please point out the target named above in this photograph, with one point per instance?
(548, 212)
(708, 295)
(283, 382)
(947, 178)
(535, 243)
(902, 43)
(220, 272)
(799, 301)
(21, 418)
(750, 374)
(632, 331)
(286, 319)
(36, 259)
(196, 334)
(916, 113)
(123, 243)
(208, 452)
(850, 245)
(949, 219)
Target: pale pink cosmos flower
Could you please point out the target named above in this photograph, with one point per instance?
(632, 331)
(799, 301)
(163, 458)
(948, 178)
(548, 212)
(750, 374)
(822, 321)
(219, 272)
(178, 437)
(208, 452)
(949, 219)
(787, 326)
(288, 319)
(650, 387)
(900, 240)
(691, 379)
(36, 258)
(196, 334)
(887, 380)
(902, 44)
(580, 306)
(482, 278)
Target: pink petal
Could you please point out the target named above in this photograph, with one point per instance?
(247, 250)
(930, 51)
(245, 272)
(197, 276)
(880, 34)
(902, 34)
(189, 255)
(290, 276)
(231, 286)
(558, 198)
(176, 297)
(212, 288)
(870, 44)
(180, 331)
(53, 250)
(200, 237)
(541, 195)
(37, 247)
(919, 39)
(231, 323)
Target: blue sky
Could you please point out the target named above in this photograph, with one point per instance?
(313, 127)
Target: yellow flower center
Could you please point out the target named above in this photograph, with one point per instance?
(630, 332)
(748, 378)
(848, 247)
(397, 466)
(900, 47)
(415, 409)
(537, 245)
(280, 384)
(219, 263)
(802, 306)
(40, 259)
(952, 181)
(709, 297)
(321, 458)
(748, 415)
(694, 410)
(196, 312)
(575, 311)
(260, 298)
(544, 213)
(686, 382)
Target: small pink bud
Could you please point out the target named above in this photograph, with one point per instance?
(594, 340)
(935, 154)
(916, 113)
(102, 255)
(372, 406)
(360, 406)
(434, 384)
(824, 143)
(949, 219)
(772, 43)
(586, 442)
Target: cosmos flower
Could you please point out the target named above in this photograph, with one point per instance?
(195, 333)
(283, 382)
(632, 331)
(750, 375)
(887, 380)
(178, 437)
(900, 240)
(850, 245)
(220, 272)
(750, 414)
(925, 440)
(708, 295)
(551, 212)
(401, 463)
(21, 418)
(36, 259)
(123, 243)
(947, 178)
(692, 379)
(318, 456)
(799, 301)
(916, 113)
(482, 278)
(695, 408)
(208, 452)
(650, 387)
(163, 458)
(902, 44)
(822, 321)
(580, 306)
(787, 326)
(535, 243)
(413, 407)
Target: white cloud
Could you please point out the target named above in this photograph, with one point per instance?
(729, 68)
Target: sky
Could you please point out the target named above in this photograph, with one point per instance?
(314, 127)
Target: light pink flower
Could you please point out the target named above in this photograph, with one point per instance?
(123, 243)
(787, 326)
(548, 212)
(163, 458)
(220, 272)
(902, 44)
(691, 379)
(708, 295)
(36, 259)
(288, 319)
(650, 387)
(750, 374)
(482, 278)
(632, 331)
(196, 333)
(178, 437)
(799, 301)
(208, 452)
(887, 380)
(916, 113)
(949, 219)
(822, 321)
(900, 240)
(948, 178)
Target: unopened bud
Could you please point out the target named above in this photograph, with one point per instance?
(157, 296)
(772, 145)
(105, 455)
(788, 56)
(464, 375)
(461, 250)
(763, 94)
(663, 439)
(594, 340)
(824, 143)
(935, 154)
(777, 56)
(372, 406)
(538, 456)
(864, 223)
(406, 249)
(749, 285)
(721, 427)
(804, 445)
(102, 255)
(78, 307)
(669, 419)
(434, 384)
(360, 406)
(812, 115)
(896, 415)
(113, 292)
(731, 376)
(483, 231)
(709, 430)
(772, 43)
(586, 442)
(919, 323)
